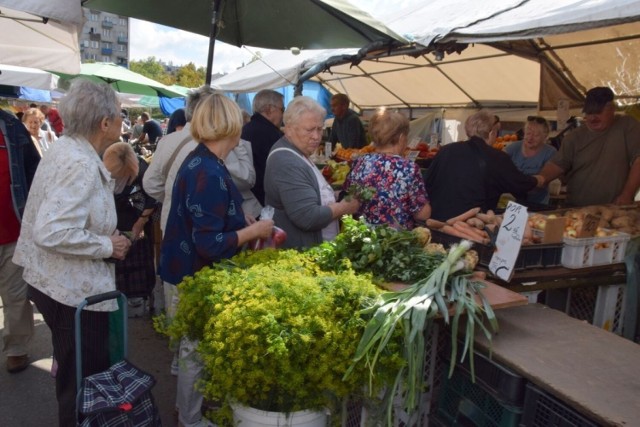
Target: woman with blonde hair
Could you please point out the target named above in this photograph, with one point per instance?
(136, 274)
(206, 224)
(33, 120)
(400, 198)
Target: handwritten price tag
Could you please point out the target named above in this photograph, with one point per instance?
(509, 241)
(589, 226)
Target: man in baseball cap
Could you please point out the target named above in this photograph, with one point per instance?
(597, 99)
(601, 159)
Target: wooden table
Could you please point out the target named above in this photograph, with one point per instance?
(593, 371)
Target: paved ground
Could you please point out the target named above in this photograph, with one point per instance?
(27, 399)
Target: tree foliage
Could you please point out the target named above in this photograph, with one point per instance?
(187, 75)
(152, 68)
(190, 76)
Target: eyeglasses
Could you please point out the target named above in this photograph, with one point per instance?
(537, 119)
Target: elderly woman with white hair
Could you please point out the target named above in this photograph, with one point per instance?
(69, 231)
(304, 203)
(470, 174)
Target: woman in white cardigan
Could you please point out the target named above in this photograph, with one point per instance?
(69, 233)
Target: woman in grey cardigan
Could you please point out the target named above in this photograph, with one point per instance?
(304, 203)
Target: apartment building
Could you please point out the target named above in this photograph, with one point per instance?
(105, 38)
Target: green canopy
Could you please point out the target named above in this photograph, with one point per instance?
(123, 80)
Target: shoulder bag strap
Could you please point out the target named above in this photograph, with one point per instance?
(167, 165)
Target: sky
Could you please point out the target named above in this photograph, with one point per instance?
(180, 47)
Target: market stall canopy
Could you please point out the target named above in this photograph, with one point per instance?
(123, 80)
(563, 48)
(579, 43)
(272, 24)
(11, 75)
(41, 34)
(277, 69)
(401, 80)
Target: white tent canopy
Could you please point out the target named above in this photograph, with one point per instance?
(11, 75)
(27, 40)
(279, 68)
(499, 20)
(520, 54)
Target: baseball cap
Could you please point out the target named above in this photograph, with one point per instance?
(596, 99)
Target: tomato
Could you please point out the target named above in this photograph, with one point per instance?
(278, 236)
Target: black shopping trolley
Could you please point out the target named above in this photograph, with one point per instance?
(121, 395)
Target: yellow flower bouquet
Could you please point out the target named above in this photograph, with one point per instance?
(278, 334)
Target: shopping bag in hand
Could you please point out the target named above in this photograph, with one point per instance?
(278, 236)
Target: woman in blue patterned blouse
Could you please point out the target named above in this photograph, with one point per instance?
(400, 198)
(205, 224)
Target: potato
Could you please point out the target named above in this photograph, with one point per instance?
(607, 213)
(622, 221)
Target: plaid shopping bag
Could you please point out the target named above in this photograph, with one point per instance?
(118, 397)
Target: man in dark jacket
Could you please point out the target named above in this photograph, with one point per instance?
(347, 128)
(18, 162)
(262, 131)
(470, 174)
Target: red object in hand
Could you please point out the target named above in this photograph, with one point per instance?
(125, 407)
(278, 236)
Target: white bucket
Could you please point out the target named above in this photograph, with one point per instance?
(244, 416)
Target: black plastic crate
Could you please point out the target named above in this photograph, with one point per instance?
(531, 256)
(506, 386)
(463, 403)
(543, 410)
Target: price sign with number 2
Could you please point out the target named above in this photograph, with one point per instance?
(509, 241)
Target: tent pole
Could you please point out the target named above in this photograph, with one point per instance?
(212, 40)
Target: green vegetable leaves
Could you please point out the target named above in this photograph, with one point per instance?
(413, 310)
(389, 255)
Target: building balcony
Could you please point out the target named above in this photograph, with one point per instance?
(123, 39)
(95, 36)
(107, 24)
(107, 51)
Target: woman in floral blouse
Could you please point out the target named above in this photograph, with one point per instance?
(400, 197)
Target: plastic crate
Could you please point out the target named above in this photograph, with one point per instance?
(620, 242)
(591, 251)
(531, 256)
(463, 403)
(543, 410)
(577, 253)
(601, 306)
(503, 384)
